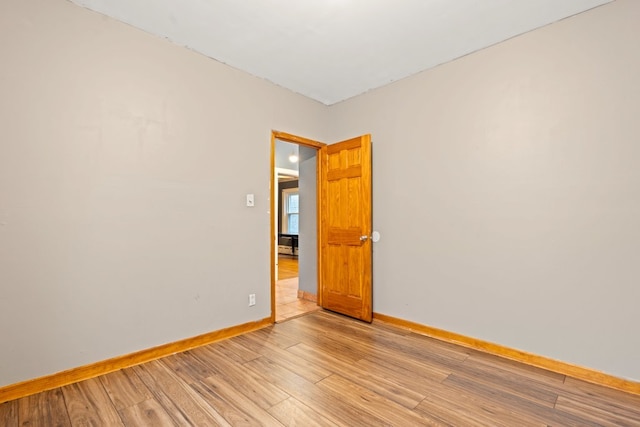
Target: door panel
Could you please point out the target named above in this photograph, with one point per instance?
(345, 255)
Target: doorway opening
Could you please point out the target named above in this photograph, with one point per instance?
(294, 226)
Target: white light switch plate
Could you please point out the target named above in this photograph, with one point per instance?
(250, 201)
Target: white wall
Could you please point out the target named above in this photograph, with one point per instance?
(308, 260)
(124, 162)
(507, 191)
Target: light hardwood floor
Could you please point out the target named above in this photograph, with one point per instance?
(287, 267)
(327, 370)
(288, 305)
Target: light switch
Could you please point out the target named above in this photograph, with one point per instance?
(250, 201)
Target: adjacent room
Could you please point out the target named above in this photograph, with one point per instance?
(295, 198)
(145, 221)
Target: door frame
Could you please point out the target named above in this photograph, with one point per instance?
(287, 137)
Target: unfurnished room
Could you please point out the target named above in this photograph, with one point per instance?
(319, 213)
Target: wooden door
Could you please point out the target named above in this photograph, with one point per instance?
(345, 243)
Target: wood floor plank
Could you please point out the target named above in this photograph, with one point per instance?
(187, 367)
(448, 414)
(177, 414)
(315, 338)
(490, 362)
(424, 349)
(89, 404)
(181, 402)
(402, 376)
(246, 381)
(9, 414)
(404, 368)
(44, 409)
(125, 388)
(616, 417)
(326, 369)
(270, 335)
(307, 370)
(535, 412)
(216, 390)
(231, 414)
(348, 350)
(454, 410)
(326, 322)
(462, 406)
(293, 413)
(603, 397)
(391, 412)
(382, 343)
(329, 405)
(287, 266)
(235, 351)
(538, 391)
(437, 346)
(387, 386)
(146, 413)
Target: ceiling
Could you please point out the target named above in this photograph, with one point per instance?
(332, 50)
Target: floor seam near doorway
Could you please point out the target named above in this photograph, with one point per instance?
(289, 304)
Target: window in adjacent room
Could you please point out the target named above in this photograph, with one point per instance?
(290, 211)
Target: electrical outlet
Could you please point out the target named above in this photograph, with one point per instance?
(252, 300)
